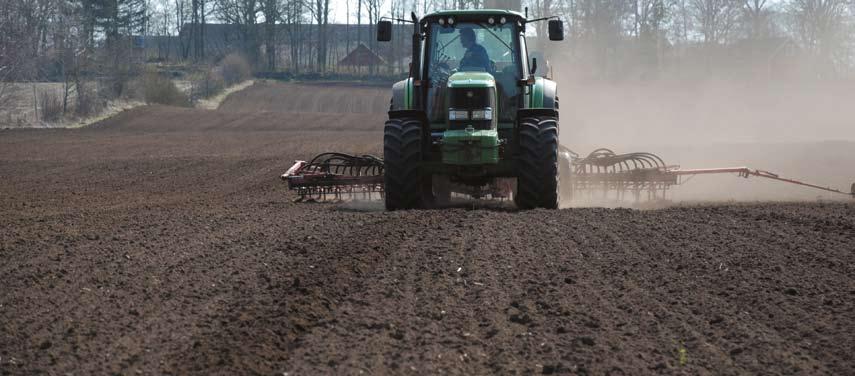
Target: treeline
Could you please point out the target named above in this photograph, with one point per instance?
(69, 40)
(607, 39)
(617, 39)
(274, 35)
(40, 39)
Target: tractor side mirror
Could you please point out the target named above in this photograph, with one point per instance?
(533, 65)
(556, 30)
(384, 31)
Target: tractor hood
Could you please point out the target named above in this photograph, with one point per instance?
(471, 80)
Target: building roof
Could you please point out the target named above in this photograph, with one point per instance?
(361, 56)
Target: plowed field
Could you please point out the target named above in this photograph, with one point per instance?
(162, 242)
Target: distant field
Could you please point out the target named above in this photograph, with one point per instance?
(335, 97)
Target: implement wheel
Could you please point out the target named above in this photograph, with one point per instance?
(402, 155)
(537, 170)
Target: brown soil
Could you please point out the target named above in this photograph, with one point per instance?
(326, 97)
(161, 241)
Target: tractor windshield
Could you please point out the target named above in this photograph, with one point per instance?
(470, 46)
(473, 46)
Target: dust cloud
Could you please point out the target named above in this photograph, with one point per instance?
(801, 129)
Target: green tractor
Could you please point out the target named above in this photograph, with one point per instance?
(472, 117)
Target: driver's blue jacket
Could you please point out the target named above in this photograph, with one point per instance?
(475, 57)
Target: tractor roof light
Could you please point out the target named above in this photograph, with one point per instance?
(442, 21)
(491, 21)
(451, 20)
(503, 20)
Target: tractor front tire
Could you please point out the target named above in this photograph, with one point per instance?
(402, 156)
(537, 170)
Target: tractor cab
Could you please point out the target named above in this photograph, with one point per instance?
(473, 54)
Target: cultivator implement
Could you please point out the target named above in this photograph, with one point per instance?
(336, 176)
(602, 174)
(605, 173)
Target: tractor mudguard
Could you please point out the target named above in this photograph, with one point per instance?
(544, 94)
(402, 95)
(550, 92)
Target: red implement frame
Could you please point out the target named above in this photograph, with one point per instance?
(746, 172)
(337, 176)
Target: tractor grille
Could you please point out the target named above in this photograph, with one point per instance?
(461, 99)
(470, 99)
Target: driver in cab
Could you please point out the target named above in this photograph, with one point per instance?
(476, 56)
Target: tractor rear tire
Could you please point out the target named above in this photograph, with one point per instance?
(537, 170)
(402, 156)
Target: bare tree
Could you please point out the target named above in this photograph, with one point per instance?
(320, 10)
(9, 65)
(819, 25)
(179, 19)
(541, 8)
(243, 13)
(292, 16)
(597, 27)
(199, 12)
(272, 10)
(359, 21)
(715, 18)
(10, 50)
(373, 7)
(755, 18)
(650, 16)
(680, 21)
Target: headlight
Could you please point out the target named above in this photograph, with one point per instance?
(485, 114)
(458, 115)
(451, 20)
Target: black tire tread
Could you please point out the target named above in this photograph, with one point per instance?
(537, 173)
(402, 157)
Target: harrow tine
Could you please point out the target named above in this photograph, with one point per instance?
(608, 172)
(336, 176)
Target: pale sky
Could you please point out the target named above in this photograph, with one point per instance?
(339, 10)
